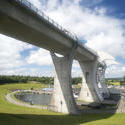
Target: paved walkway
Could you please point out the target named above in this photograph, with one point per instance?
(8, 97)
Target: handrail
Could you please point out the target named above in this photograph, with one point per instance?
(73, 36)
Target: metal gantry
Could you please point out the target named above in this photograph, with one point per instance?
(101, 72)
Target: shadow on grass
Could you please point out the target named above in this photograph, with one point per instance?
(29, 119)
(33, 119)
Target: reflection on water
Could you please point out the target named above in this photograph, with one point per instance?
(41, 99)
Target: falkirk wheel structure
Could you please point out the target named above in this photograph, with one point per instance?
(21, 20)
(101, 79)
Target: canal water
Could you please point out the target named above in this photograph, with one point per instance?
(40, 99)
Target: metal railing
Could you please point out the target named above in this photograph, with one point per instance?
(35, 10)
(30, 6)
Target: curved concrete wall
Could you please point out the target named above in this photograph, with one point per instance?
(89, 72)
(85, 94)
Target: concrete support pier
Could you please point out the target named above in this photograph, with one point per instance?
(89, 72)
(85, 94)
(62, 98)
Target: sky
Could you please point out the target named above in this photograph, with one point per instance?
(99, 24)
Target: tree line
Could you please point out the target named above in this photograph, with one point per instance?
(49, 80)
(25, 79)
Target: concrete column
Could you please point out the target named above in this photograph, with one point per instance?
(62, 98)
(89, 71)
(85, 94)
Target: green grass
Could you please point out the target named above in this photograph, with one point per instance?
(7, 107)
(11, 114)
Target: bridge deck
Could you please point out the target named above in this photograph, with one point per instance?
(21, 23)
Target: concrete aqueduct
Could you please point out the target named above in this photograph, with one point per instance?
(21, 20)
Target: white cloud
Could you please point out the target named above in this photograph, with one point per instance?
(10, 50)
(76, 70)
(107, 58)
(115, 71)
(40, 57)
(102, 33)
(36, 3)
(27, 72)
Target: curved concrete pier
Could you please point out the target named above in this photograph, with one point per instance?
(85, 94)
(89, 73)
(62, 98)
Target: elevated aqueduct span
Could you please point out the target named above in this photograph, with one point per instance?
(21, 20)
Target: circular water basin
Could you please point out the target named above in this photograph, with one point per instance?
(32, 98)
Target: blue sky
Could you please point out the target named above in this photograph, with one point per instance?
(101, 23)
(117, 7)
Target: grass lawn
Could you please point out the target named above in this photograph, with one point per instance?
(11, 114)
